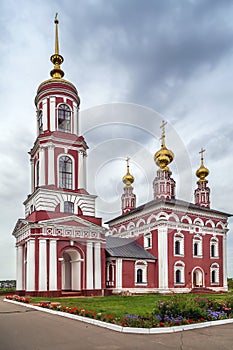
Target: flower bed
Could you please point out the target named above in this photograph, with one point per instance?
(176, 311)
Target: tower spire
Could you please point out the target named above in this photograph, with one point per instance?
(56, 58)
(128, 198)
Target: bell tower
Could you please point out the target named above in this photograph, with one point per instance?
(58, 157)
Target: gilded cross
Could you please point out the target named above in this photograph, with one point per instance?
(201, 153)
(163, 132)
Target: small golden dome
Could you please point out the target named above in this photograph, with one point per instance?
(164, 156)
(128, 179)
(202, 172)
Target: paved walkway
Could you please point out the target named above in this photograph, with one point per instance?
(27, 329)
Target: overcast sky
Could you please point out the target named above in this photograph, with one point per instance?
(134, 63)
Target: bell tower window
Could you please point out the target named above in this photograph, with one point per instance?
(40, 122)
(64, 118)
(65, 172)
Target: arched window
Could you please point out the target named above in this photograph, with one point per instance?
(148, 240)
(178, 244)
(140, 272)
(139, 275)
(214, 247)
(177, 247)
(40, 121)
(64, 118)
(214, 273)
(195, 249)
(213, 276)
(68, 207)
(179, 277)
(197, 246)
(65, 172)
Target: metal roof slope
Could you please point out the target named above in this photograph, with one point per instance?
(126, 248)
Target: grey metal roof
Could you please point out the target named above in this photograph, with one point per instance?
(126, 248)
(172, 202)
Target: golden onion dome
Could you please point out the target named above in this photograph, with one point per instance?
(128, 179)
(164, 156)
(202, 172)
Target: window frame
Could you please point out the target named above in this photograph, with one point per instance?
(179, 266)
(178, 238)
(197, 247)
(65, 177)
(140, 265)
(64, 117)
(214, 270)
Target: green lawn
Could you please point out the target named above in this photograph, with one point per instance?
(119, 305)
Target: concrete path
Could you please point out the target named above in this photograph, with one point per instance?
(26, 329)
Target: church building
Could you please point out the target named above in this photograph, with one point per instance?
(166, 245)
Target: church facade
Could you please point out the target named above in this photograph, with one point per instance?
(167, 245)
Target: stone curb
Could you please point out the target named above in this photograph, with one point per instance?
(114, 327)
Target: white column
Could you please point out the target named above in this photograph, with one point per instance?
(97, 265)
(30, 278)
(32, 175)
(42, 166)
(224, 258)
(45, 114)
(51, 170)
(119, 274)
(42, 265)
(19, 267)
(89, 265)
(52, 113)
(163, 256)
(53, 264)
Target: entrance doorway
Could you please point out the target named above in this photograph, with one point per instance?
(71, 270)
(198, 278)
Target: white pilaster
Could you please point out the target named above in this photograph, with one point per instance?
(89, 265)
(30, 278)
(51, 172)
(52, 113)
(19, 267)
(81, 180)
(163, 257)
(224, 256)
(42, 265)
(32, 175)
(53, 264)
(42, 166)
(76, 128)
(119, 274)
(84, 171)
(97, 265)
(45, 114)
